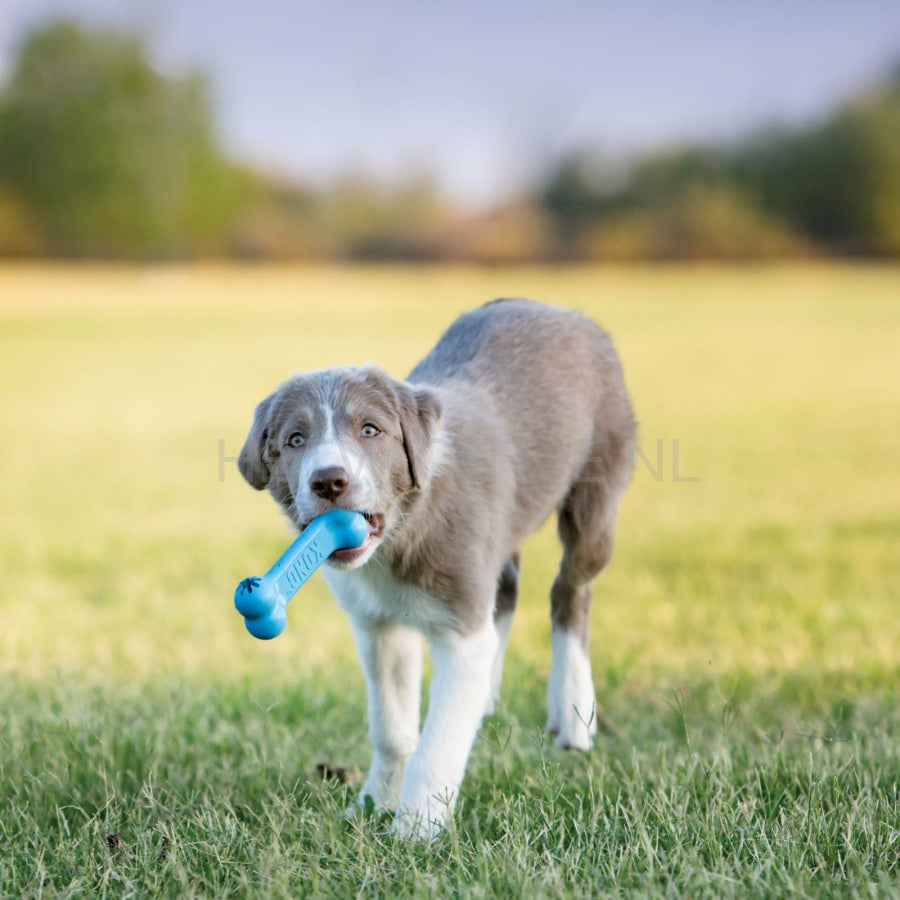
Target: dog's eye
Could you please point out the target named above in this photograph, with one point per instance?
(369, 430)
(295, 440)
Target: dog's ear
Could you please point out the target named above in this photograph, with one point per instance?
(253, 459)
(420, 412)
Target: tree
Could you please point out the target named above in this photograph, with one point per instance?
(838, 181)
(834, 185)
(110, 156)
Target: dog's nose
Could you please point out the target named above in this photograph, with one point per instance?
(329, 482)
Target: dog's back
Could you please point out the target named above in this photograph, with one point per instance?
(551, 380)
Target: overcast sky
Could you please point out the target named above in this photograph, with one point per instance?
(483, 93)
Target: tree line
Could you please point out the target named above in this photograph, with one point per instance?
(103, 156)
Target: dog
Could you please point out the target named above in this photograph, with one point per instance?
(520, 410)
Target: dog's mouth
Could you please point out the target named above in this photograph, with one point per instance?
(375, 521)
(348, 555)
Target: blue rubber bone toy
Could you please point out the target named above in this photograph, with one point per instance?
(263, 601)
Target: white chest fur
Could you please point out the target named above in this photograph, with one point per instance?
(373, 593)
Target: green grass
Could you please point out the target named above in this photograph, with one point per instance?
(745, 638)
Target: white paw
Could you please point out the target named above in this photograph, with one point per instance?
(571, 704)
(382, 783)
(426, 803)
(577, 728)
(426, 823)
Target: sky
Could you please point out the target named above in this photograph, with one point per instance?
(485, 94)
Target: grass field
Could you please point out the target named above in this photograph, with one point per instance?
(746, 637)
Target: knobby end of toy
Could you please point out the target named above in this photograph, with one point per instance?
(247, 585)
(267, 627)
(254, 597)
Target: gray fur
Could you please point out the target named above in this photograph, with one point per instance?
(539, 419)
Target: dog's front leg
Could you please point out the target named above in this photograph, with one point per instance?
(459, 691)
(391, 657)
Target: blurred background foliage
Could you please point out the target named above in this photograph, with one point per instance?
(103, 156)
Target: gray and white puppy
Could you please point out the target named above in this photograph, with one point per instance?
(520, 410)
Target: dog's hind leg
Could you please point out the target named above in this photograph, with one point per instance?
(507, 596)
(587, 521)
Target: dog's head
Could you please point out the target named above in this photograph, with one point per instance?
(353, 438)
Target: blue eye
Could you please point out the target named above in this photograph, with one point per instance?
(369, 430)
(295, 440)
